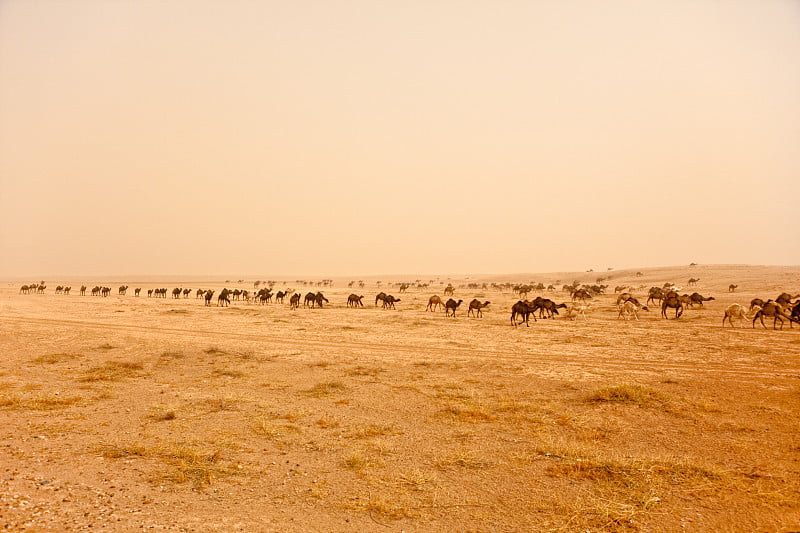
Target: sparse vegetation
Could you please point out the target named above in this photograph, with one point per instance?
(113, 371)
(629, 394)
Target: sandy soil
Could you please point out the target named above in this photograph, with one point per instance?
(128, 414)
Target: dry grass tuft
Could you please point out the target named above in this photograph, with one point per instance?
(214, 350)
(113, 371)
(374, 430)
(51, 359)
(167, 356)
(417, 480)
(326, 389)
(327, 423)
(356, 461)
(364, 371)
(386, 509)
(629, 394)
(227, 373)
(162, 414)
(40, 402)
(264, 427)
(463, 459)
(469, 413)
(186, 463)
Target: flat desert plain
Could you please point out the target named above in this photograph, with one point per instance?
(128, 414)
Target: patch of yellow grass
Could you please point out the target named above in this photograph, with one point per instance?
(113, 371)
(628, 394)
(50, 359)
(39, 402)
(326, 389)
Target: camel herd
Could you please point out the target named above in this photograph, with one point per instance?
(784, 308)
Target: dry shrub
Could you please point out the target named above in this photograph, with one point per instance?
(374, 430)
(264, 427)
(39, 402)
(463, 459)
(162, 414)
(387, 509)
(326, 389)
(628, 394)
(469, 413)
(186, 463)
(417, 480)
(365, 371)
(327, 423)
(356, 461)
(214, 350)
(50, 359)
(227, 373)
(113, 371)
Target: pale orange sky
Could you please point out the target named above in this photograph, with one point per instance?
(363, 137)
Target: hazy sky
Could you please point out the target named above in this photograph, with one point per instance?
(357, 137)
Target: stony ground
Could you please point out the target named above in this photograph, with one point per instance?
(127, 414)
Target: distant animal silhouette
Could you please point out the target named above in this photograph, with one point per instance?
(671, 301)
(697, 298)
(693, 281)
(294, 301)
(449, 290)
(223, 298)
(136, 291)
(732, 287)
(208, 295)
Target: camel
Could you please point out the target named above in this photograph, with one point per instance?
(619, 288)
(449, 290)
(434, 302)
(756, 302)
(693, 281)
(671, 301)
(475, 307)
(186, 292)
(309, 300)
(199, 293)
(318, 299)
(136, 291)
(380, 297)
(67, 289)
(279, 297)
(629, 309)
(208, 295)
(522, 309)
(294, 301)
(354, 300)
(222, 299)
(655, 294)
(785, 299)
(697, 298)
(581, 294)
(24, 289)
(403, 287)
(576, 311)
(732, 287)
(772, 310)
(40, 289)
(83, 290)
(149, 293)
(736, 311)
(389, 301)
(59, 288)
(176, 293)
(450, 307)
(123, 290)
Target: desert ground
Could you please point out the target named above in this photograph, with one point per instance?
(135, 414)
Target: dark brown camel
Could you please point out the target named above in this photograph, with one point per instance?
(318, 299)
(83, 290)
(732, 287)
(294, 301)
(354, 300)
(785, 299)
(137, 291)
(475, 307)
(123, 290)
(450, 307)
(693, 281)
(389, 301)
(656, 294)
(697, 298)
(222, 299)
(582, 295)
(380, 297)
(208, 295)
(772, 310)
(522, 309)
(672, 301)
(309, 299)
